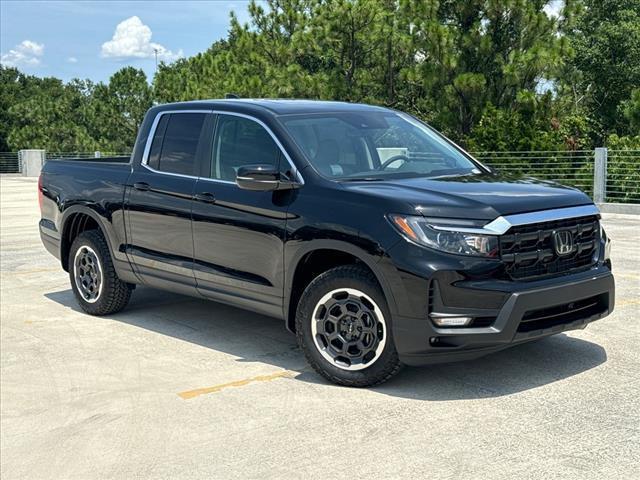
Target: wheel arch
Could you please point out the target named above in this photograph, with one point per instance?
(318, 257)
(78, 219)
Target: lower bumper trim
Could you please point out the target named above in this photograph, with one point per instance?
(525, 316)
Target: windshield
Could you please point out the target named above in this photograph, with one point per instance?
(375, 146)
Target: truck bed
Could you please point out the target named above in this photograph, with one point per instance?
(97, 183)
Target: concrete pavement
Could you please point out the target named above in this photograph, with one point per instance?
(175, 387)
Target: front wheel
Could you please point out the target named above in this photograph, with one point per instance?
(343, 326)
(94, 281)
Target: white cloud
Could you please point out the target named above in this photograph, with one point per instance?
(26, 53)
(132, 39)
(553, 8)
(72, 60)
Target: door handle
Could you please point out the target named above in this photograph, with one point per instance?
(205, 197)
(142, 186)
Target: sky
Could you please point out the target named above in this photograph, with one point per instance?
(93, 39)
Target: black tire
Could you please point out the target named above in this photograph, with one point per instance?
(113, 294)
(385, 364)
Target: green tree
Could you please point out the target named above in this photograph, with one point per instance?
(631, 112)
(50, 119)
(359, 48)
(492, 74)
(445, 61)
(193, 78)
(73, 117)
(330, 49)
(606, 41)
(115, 110)
(257, 60)
(477, 53)
(15, 87)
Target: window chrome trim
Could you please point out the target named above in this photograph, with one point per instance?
(502, 224)
(152, 132)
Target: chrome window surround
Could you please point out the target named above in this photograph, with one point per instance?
(154, 126)
(502, 224)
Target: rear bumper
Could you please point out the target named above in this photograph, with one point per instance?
(525, 315)
(50, 237)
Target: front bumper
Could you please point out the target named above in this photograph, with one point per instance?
(525, 315)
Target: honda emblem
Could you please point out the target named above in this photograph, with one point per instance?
(563, 242)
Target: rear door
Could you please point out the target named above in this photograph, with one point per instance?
(239, 234)
(160, 197)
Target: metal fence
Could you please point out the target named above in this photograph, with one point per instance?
(622, 173)
(10, 162)
(569, 168)
(608, 176)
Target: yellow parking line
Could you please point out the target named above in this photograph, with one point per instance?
(624, 303)
(627, 275)
(238, 383)
(40, 270)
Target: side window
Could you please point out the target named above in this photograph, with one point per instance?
(240, 141)
(175, 143)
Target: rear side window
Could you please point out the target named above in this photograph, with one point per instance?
(175, 143)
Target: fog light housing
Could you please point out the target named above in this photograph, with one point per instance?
(450, 320)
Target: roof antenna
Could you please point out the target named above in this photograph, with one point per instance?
(231, 95)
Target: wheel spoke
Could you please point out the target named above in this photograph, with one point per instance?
(332, 336)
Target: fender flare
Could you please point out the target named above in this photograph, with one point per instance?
(362, 255)
(104, 226)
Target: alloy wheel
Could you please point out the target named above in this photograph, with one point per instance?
(348, 329)
(87, 273)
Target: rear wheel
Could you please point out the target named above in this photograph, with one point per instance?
(94, 281)
(343, 327)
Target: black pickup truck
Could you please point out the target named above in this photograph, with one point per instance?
(375, 239)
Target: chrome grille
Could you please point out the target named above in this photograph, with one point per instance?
(528, 250)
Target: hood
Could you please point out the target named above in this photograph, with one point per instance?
(482, 197)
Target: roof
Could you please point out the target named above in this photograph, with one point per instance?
(280, 106)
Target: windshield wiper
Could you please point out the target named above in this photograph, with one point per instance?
(445, 175)
(361, 179)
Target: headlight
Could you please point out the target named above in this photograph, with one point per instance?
(418, 230)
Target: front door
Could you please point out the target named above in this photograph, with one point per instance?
(239, 234)
(159, 201)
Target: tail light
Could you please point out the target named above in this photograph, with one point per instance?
(40, 194)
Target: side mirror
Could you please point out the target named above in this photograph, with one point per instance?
(262, 178)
